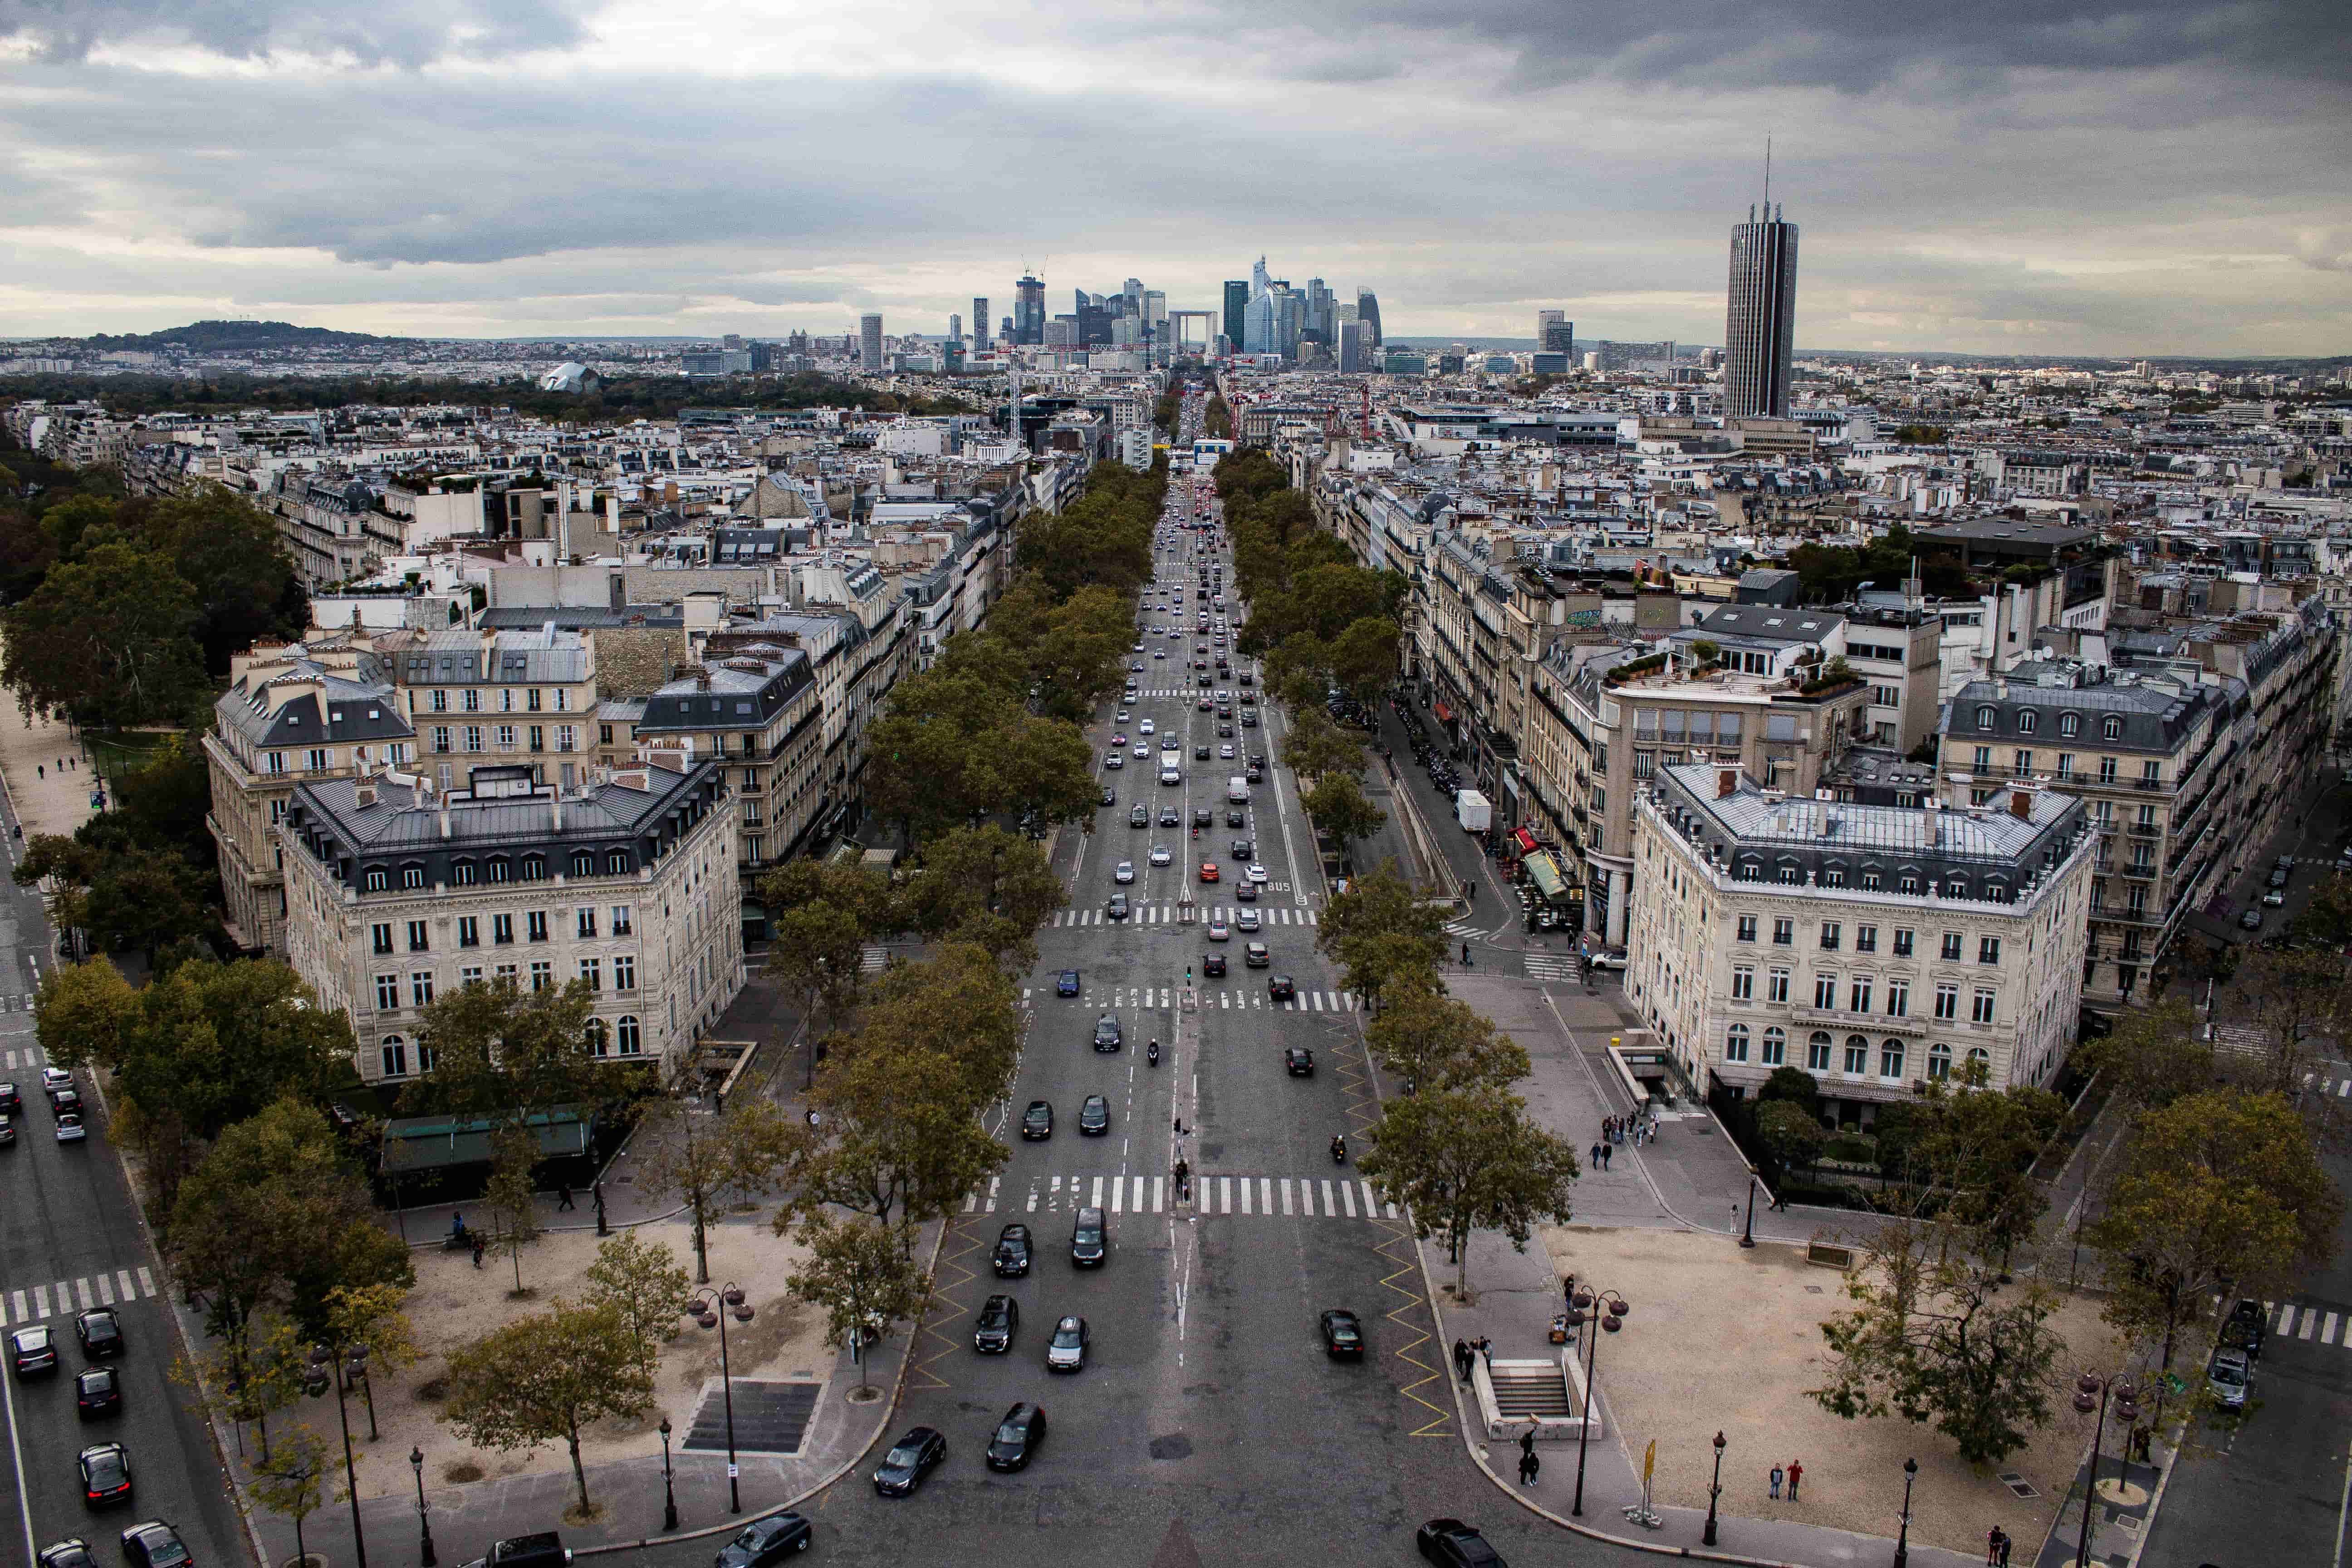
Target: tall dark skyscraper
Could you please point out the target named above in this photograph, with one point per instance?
(979, 322)
(1368, 310)
(1028, 311)
(1237, 298)
(1760, 322)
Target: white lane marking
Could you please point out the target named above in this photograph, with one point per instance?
(1285, 1195)
(1371, 1205)
(1096, 1201)
(1118, 1194)
(2285, 1322)
(146, 1283)
(16, 1300)
(1245, 1196)
(2327, 1330)
(40, 1302)
(1264, 1194)
(105, 1291)
(1224, 1194)
(1156, 1192)
(81, 1289)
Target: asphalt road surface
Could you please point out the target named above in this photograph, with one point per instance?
(70, 1240)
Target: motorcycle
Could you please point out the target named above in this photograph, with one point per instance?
(1338, 1150)
(1151, 1053)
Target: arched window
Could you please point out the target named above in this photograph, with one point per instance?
(584, 862)
(1735, 1045)
(599, 1037)
(1817, 1052)
(464, 873)
(1985, 717)
(1939, 1061)
(393, 1054)
(632, 1042)
(1857, 1056)
(1775, 1046)
(617, 863)
(375, 879)
(2070, 725)
(2026, 721)
(1890, 1059)
(1979, 1065)
(501, 868)
(2112, 727)
(534, 867)
(412, 875)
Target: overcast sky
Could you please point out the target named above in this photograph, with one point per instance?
(2004, 176)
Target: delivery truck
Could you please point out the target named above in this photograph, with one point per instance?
(1471, 810)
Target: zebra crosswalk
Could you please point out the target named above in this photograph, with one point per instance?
(1166, 914)
(1304, 1002)
(1551, 966)
(1263, 1198)
(29, 1058)
(35, 1302)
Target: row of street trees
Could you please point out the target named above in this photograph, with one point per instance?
(1457, 1144)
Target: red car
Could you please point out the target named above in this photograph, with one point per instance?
(1207, 870)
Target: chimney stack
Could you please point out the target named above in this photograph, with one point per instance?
(1726, 781)
(2021, 804)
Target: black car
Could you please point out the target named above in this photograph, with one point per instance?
(1110, 797)
(1106, 1034)
(31, 1351)
(99, 1333)
(1343, 1337)
(1116, 908)
(2246, 1329)
(1066, 984)
(1089, 1239)
(1213, 965)
(1010, 1261)
(1450, 1543)
(999, 1321)
(1201, 753)
(65, 1101)
(105, 1474)
(1017, 1438)
(1171, 817)
(97, 1391)
(12, 1102)
(1245, 892)
(1280, 988)
(1094, 1117)
(1237, 817)
(911, 1459)
(1139, 817)
(73, 1552)
(1038, 1122)
(1202, 817)
(155, 1544)
(1298, 1061)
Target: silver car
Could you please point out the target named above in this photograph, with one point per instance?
(1066, 1350)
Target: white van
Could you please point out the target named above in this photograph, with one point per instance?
(1237, 790)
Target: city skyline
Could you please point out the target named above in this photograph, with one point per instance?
(2135, 178)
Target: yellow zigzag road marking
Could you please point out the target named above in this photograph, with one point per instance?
(951, 1276)
(1441, 1424)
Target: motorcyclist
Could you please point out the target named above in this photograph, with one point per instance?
(1338, 1149)
(1152, 1052)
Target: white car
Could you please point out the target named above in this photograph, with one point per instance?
(1115, 760)
(1247, 920)
(1225, 751)
(70, 1129)
(1219, 930)
(1144, 727)
(1122, 716)
(1161, 856)
(1257, 873)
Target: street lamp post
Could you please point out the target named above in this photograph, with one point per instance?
(425, 1553)
(1747, 1236)
(710, 1307)
(1902, 1542)
(1714, 1490)
(316, 1381)
(669, 1492)
(1609, 1309)
(2091, 1392)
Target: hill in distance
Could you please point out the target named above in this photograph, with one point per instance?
(235, 336)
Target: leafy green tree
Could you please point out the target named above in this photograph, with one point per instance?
(1932, 1338)
(110, 637)
(1364, 658)
(1316, 747)
(1469, 1159)
(544, 1379)
(1381, 932)
(293, 1478)
(512, 1197)
(2219, 1191)
(1338, 806)
(228, 552)
(640, 1283)
(709, 1164)
(1791, 1133)
(1793, 1084)
(1437, 1043)
(862, 1275)
(818, 952)
(511, 1055)
(987, 888)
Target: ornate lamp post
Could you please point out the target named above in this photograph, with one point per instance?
(669, 1492)
(1902, 1542)
(1747, 1236)
(1714, 1490)
(710, 1307)
(1609, 1309)
(424, 1519)
(2092, 1393)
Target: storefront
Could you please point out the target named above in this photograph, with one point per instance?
(1554, 904)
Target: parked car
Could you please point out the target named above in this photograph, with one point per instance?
(1450, 1543)
(32, 1351)
(766, 1540)
(2246, 1329)
(105, 1474)
(97, 1391)
(1011, 1260)
(2251, 920)
(99, 1331)
(73, 1552)
(2230, 1376)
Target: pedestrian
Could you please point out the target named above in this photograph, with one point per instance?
(1462, 1360)
(1604, 1156)
(1778, 1476)
(2005, 1544)
(563, 1197)
(1528, 1441)
(1796, 1474)
(1465, 955)
(1596, 1156)
(478, 1249)
(1735, 1216)
(1528, 1466)
(1992, 1547)
(1486, 1353)
(41, 769)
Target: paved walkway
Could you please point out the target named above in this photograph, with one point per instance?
(47, 772)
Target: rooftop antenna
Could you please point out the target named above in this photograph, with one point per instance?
(1767, 176)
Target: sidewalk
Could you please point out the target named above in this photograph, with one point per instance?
(44, 796)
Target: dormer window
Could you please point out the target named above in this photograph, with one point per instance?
(1985, 717)
(2070, 725)
(2025, 722)
(2112, 727)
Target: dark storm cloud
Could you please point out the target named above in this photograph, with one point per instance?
(373, 32)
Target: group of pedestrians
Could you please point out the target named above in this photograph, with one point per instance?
(1467, 1352)
(1600, 1156)
(1636, 1130)
(1790, 1476)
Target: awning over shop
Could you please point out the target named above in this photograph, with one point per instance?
(441, 1142)
(1526, 841)
(1443, 711)
(1546, 875)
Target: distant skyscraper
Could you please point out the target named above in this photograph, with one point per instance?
(1259, 280)
(1355, 349)
(1759, 325)
(1317, 319)
(1237, 298)
(869, 341)
(955, 329)
(1368, 310)
(1029, 312)
(979, 320)
(1555, 333)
